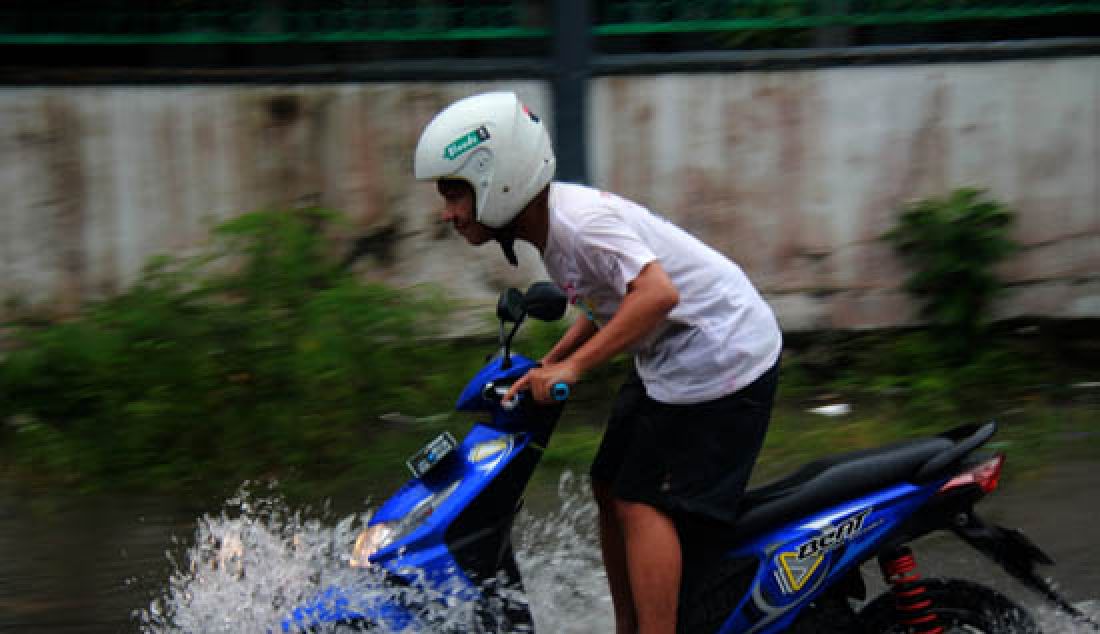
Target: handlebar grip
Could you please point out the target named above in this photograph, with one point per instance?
(559, 392)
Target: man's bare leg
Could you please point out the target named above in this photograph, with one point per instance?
(654, 565)
(614, 560)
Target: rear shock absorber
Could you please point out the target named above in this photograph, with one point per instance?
(912, 604)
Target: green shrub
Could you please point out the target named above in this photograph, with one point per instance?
(953, 246)
(262, 356)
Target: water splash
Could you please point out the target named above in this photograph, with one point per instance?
(250, 564)
(1053, 620)
(247, 566)
(559, 558)
(253, 562)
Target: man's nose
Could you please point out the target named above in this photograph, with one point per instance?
(448, 215)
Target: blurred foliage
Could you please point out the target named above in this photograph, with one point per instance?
(262, 356)
(953, 246)
(1036, 379)
(907, 376)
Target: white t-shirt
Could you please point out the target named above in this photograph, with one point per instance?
(719, 338)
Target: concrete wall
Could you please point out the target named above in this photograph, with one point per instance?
(796, 174)
(97, 180)
(793, 174)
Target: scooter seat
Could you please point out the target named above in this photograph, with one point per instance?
(832, 480)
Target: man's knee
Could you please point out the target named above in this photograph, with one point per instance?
(629, 512)
(624, 511)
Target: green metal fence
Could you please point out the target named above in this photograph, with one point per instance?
(640, 17)
(272, 21)
(263, 21)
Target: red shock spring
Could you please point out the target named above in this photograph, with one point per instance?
(912, 604)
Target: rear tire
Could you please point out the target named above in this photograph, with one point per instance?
(962, 606)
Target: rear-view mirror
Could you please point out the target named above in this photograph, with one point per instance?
(545, 301)
(510, 306)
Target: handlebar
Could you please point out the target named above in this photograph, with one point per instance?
(493, 392)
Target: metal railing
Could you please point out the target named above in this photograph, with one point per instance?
(262, 21)
(641, 17)
(274, 21)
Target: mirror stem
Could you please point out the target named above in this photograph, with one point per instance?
(505, 357)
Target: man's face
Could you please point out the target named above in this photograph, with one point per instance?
(458, 209)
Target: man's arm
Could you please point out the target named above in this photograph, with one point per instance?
(579, 332)
(649, 298)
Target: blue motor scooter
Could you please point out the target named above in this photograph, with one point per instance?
(790, 563)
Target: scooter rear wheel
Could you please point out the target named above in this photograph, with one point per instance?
(962, 606)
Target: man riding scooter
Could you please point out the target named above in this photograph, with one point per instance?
(688, 424)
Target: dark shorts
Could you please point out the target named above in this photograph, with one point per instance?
(685, 459)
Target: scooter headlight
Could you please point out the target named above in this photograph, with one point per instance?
(370, 541)
(382, 534)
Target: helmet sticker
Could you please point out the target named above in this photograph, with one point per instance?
(465, 143)
(534, 117)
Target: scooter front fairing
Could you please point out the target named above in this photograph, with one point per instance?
(442, 534)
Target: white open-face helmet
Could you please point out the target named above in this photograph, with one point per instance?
(493, 142)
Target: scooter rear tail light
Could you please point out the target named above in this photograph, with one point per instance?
(985, 474)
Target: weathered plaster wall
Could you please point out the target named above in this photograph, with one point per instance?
(793, 174)
(97, 180)
(796, 174)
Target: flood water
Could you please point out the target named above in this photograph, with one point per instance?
(71, 563)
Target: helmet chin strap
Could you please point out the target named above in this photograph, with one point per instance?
(506, 237)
